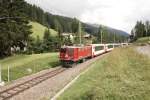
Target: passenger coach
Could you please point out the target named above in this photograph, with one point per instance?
(98, 49)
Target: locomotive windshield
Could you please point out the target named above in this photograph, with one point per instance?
(63, 50)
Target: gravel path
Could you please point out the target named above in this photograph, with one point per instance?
(50, 87)
(144, 50)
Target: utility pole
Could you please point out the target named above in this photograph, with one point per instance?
(80, 33)
(114, 37)
(101, 36)
(8, 74)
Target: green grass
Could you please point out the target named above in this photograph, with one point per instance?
(22, 65)
(122, 75)
(38, 30)
(143, 40)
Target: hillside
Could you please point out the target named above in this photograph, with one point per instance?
(38, 30)
(143, 40)
(93, 29)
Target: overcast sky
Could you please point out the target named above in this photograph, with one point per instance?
(120, 14)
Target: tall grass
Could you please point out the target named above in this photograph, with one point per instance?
(122, 75)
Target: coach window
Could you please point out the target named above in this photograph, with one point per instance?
(116, 46)
(110, 46)
(99, 48)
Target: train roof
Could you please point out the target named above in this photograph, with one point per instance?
(110, 44)
(74, 46)
(117, 43)
(97, 44)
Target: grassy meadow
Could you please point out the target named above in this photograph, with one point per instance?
(124, 74)
(22, 65)
(38, 30)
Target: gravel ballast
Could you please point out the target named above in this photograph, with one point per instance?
(144, 50)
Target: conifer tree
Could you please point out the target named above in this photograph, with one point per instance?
(14, 28)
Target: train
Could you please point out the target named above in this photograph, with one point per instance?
(71, 55)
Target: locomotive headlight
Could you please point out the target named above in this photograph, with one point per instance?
(66, 56)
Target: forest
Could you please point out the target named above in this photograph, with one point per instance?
(141, 29)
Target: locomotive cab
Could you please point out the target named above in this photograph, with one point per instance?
(68, 55)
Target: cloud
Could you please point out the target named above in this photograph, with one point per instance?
(71, 8)
(120, 14)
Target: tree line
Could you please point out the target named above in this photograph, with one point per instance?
(141, 29)
(105, 36)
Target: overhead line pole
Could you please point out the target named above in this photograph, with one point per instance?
(101, 37)
(114, 37)
(79, 33)
(8, 74)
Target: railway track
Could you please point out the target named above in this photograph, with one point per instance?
(15, 90)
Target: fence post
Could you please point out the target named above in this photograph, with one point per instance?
(1, 82)
(8, 74)
(0, 74)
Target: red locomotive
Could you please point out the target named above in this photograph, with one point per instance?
(70, 55)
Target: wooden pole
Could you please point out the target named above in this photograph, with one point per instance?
(0, 73)
(80, 37)
(1, 82)
(114, 37)
(8, 73)
(101, 37)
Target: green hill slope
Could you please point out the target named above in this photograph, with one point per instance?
(143, 40)
(38, 30)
